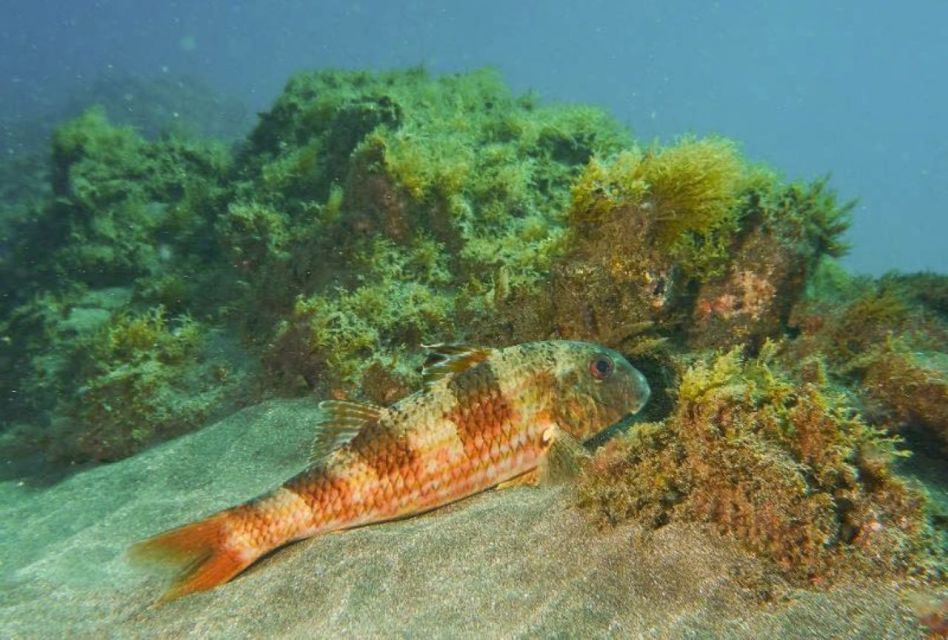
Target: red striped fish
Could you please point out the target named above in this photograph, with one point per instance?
(484, 417)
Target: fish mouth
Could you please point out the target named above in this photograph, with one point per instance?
(621, 421)
(640, 399)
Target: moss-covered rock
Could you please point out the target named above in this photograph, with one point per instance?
(107, 381)
(123, 208)
(142, 378)
(127, 216)
(331, 339)
(453, 171)
(786, 467)
(885, 340)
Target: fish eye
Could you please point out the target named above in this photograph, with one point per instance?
(601, 366)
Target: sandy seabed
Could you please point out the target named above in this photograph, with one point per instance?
(505, 564)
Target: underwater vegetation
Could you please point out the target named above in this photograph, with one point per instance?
(886, 340)
(410, 200)
(122, 235)
(158, 281)
(145, 377)
(155, 107)
(787, 467)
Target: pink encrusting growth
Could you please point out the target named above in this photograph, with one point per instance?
(484, 417)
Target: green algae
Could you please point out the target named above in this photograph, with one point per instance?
(331, 339)
(145, 377)
(126, 214)
(786, 467)
(122, 208)
(808, 215)
(453, 170)
(885, 340)
(395, 153)
(690, 191)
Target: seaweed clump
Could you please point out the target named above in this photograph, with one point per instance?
(145, 377)
(786, 230)
(331, 339)
(693, 238)
(642, 227)
(786, 467)
(124, 233)
(685, 196)
(885, 340)
(904, 387)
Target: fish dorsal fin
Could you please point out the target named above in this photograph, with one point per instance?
(338, 423)
(447, 358)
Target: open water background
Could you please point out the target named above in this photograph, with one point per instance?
(853, 88)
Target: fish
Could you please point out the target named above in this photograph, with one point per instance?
(483, 418)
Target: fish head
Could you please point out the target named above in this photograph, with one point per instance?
(595, 388)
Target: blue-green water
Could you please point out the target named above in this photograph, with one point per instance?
(853, 90)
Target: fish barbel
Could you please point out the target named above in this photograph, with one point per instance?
(485, 417)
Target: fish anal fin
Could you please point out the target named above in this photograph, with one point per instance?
(563, 459)
(339, 422)
(448, 358)
(199, 554)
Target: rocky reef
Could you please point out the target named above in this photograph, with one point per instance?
(164, 281)
(786, 466)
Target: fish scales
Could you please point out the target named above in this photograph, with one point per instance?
(457, 440)
(486, 420)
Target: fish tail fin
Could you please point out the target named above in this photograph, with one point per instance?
(200, 552)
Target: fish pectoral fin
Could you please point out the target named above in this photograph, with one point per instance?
(530, 479)
(563, 459)
(447, 358)
(338, 423)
